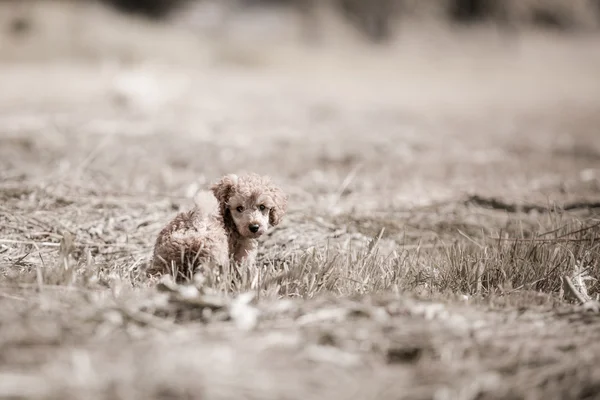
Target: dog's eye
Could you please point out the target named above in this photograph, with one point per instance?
(240, 209)
(262, 207)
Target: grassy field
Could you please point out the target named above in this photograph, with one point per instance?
(441, 189)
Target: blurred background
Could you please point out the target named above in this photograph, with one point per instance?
(307, 21)
(378, 21)
(415, 99)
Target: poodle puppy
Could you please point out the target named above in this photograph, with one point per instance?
(246, 206)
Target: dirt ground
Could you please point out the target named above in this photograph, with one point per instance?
(440, 188)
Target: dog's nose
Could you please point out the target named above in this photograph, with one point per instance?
(253, 228)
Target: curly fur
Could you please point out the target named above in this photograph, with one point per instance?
(247, 206)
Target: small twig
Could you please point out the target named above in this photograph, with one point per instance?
(44, 244)
(470, 239)
(424, 246)
(144, 319)
(587, 228)
(538, 240)
(498, 204)
(347, 181)
(50, 244)
(573, 290)
(48, 287)
(551, 232)
(8, 296)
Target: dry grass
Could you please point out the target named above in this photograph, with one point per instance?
(434, 215)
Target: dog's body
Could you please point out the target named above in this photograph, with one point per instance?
(247, 206)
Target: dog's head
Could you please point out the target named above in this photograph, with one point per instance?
(250, 203)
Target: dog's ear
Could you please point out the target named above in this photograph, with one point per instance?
(280, 205)
(223, 189)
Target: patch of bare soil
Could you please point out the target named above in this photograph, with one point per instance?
(441, 242)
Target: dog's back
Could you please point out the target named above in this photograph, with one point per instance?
(192, 239)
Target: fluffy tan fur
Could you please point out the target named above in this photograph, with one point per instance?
(247, 206)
